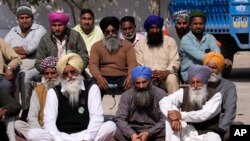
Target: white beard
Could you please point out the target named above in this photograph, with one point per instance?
(130, 36)
(72, 89)
(197, 98)
(51, 83)
(214, 77)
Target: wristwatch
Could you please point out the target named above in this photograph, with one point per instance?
(9, 68)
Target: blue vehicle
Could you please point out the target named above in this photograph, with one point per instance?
(227, 20)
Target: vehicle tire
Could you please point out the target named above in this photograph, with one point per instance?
(226, 72)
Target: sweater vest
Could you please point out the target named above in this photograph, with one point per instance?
(72, 118)
(41, 92)
(205, 126)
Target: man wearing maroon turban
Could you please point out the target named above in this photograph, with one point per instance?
(38, 98)
(61, 40)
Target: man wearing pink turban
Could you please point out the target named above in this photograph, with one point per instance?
(61, 40)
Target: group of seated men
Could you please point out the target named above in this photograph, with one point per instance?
(68, 106)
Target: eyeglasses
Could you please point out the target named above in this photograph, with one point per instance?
(70, 73)
(112, 31)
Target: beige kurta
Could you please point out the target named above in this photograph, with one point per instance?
(165, 57)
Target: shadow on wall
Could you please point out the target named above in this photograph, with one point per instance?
(3, 32)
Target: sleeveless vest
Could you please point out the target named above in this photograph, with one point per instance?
(41, 92)
(72, 118)
(205, 126)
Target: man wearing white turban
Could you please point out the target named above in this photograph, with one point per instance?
(200, 109)
(73, 110)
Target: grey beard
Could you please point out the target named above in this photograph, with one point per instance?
(214, 77)
(197, 98)
(72, 89)
(143, 98)
(51, 83)
(112, 44)
(130, 36)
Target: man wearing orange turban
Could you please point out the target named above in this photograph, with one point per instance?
(215, 58)
(216, 62)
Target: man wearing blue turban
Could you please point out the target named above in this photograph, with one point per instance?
(160, 53)
(193, 113)
(138, 115)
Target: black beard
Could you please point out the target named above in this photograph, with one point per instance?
(198, 33)
(183, 31)
(143, 98)
(155, 39)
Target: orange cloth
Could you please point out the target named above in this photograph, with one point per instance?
(216, 57)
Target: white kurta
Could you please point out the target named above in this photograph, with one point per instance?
(210, 109)
(95, 123)
(23, 127)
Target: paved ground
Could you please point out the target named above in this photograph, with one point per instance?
(240, 76)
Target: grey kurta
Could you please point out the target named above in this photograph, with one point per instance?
(229, 101)
(129, 119)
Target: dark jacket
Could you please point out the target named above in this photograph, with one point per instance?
(74, 44)
(9, 103)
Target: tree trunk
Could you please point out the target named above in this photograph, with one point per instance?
(155, 7)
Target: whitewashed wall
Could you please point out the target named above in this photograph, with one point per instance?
(119, 8)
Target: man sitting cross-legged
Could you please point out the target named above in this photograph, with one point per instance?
(73, 110)
(38, 98)
(139, 117)
(193, 114)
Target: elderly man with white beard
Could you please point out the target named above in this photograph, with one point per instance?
(73, 109)
(216, 62)
(35, 114)
(112, 59)
(139, 117)
(193, 113)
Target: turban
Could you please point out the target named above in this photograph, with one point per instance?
(24, 9)
(58, 17)
(181, 14)
(153, 19)
(216, 57)
(72, 59)
(200, 72)
(113, 21)
(140, 71)
(48, 62)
